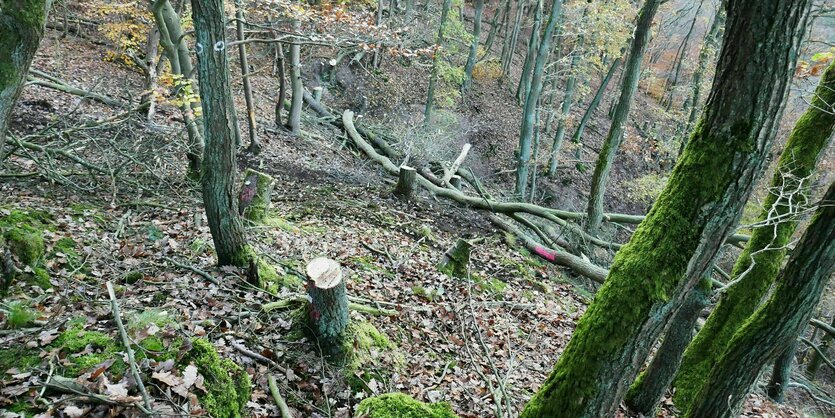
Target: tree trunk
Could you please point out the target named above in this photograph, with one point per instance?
(21, 30)
(147, 99)
(219, 165)
(598, 96)
(297, 89)
(495, 26)
(433, 77)
(511, 38)
(456, 261)
(532, 100)
(328, 309)
(705, 54)
(760, 261)
(254, 147)
(816, 361)
(781, 374)
(632, 74)
(473, 55)
(173, 44)
(282, 86)
(675, 245)
(533, 48)
(778, 323)
(681, 53)
(568, 101)
(254, 197)
(651, 384)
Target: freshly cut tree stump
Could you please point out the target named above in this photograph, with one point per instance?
(455, 181)
(254, 198)
(328, 309)
(406, 182)
(456, 260)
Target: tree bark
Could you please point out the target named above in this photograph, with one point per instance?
(598, 96)
(781, 374)
(297, 89)
(533, 49)
(676, 244)
(21, 29)
(817, 360)
(651, 384)
(254, 146)
(778, 323)
(532, 100)
(758, 264)
(328, 309)
(219, 164)
(632, 74)
(473, 55)
(705, 54)
(282, 86)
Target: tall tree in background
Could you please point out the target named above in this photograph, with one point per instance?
(533, 49)
(219, 165)
(254, 147)
(700, 206)
(760, 261)
(776, 325)
(21, 29)
(433, 77)
(707, 52)
(473, 55)
(532, 100)
(631, 76)
(294, 121)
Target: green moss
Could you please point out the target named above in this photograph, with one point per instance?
(28, 246)
(364, 346)
(132, 277)
(256, 197)
(96, 346)
(19, 315)
(273, 281)
(399, 405)
(229, 387)
(66, 246)
(40, 276)
(19, 357)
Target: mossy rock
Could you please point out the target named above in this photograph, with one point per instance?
(228, 385)
(399, 405)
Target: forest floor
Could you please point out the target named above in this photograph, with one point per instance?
(493, 336)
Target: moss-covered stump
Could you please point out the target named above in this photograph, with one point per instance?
(228, 386)
(456, 261)
(22, 249)
(254, 198)
(399, 405)
(369, 354)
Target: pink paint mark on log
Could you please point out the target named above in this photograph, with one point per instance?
(545, 253)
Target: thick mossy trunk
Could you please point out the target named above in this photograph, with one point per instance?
(631, 76)
(529, 119)
(760, 261)
(219, 165)
(21, 29)
(675, 245)
(777, 323)
(651, 384)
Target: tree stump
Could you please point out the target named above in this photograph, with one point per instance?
(328, 309)
(455, 181)
(456, 260)
(254, 198)
(406, 182)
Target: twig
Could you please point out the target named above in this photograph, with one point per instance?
(126, 342)
(282, 406)
(821, 353)
(301, 298)
(193, 269)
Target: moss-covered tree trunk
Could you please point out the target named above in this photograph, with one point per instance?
(473, 55)
(254, 197)
(776, 325)
(529, 113)
(651, 384)
(219, 165)
(631, 76)
(21, 29)
(759, 263)
(674, 246)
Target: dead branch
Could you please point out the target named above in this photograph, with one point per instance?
(114, 306)
(279, 401)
